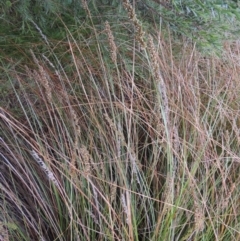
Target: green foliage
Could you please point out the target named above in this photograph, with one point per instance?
(206, 22)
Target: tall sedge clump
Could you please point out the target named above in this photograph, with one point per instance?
(85, 7)
(161, 87)
(126, 204)
(139, 33)
(86, 160)
(225, 202)
(163, 125)
(199, 209)
(45, 168)
(112, 45)
(136, 165)
(77, 133)
(43, 76)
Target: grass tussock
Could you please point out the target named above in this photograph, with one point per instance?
(133, 138)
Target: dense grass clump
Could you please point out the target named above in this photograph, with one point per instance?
(113, 133)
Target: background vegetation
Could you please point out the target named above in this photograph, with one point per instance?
(119, 120)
